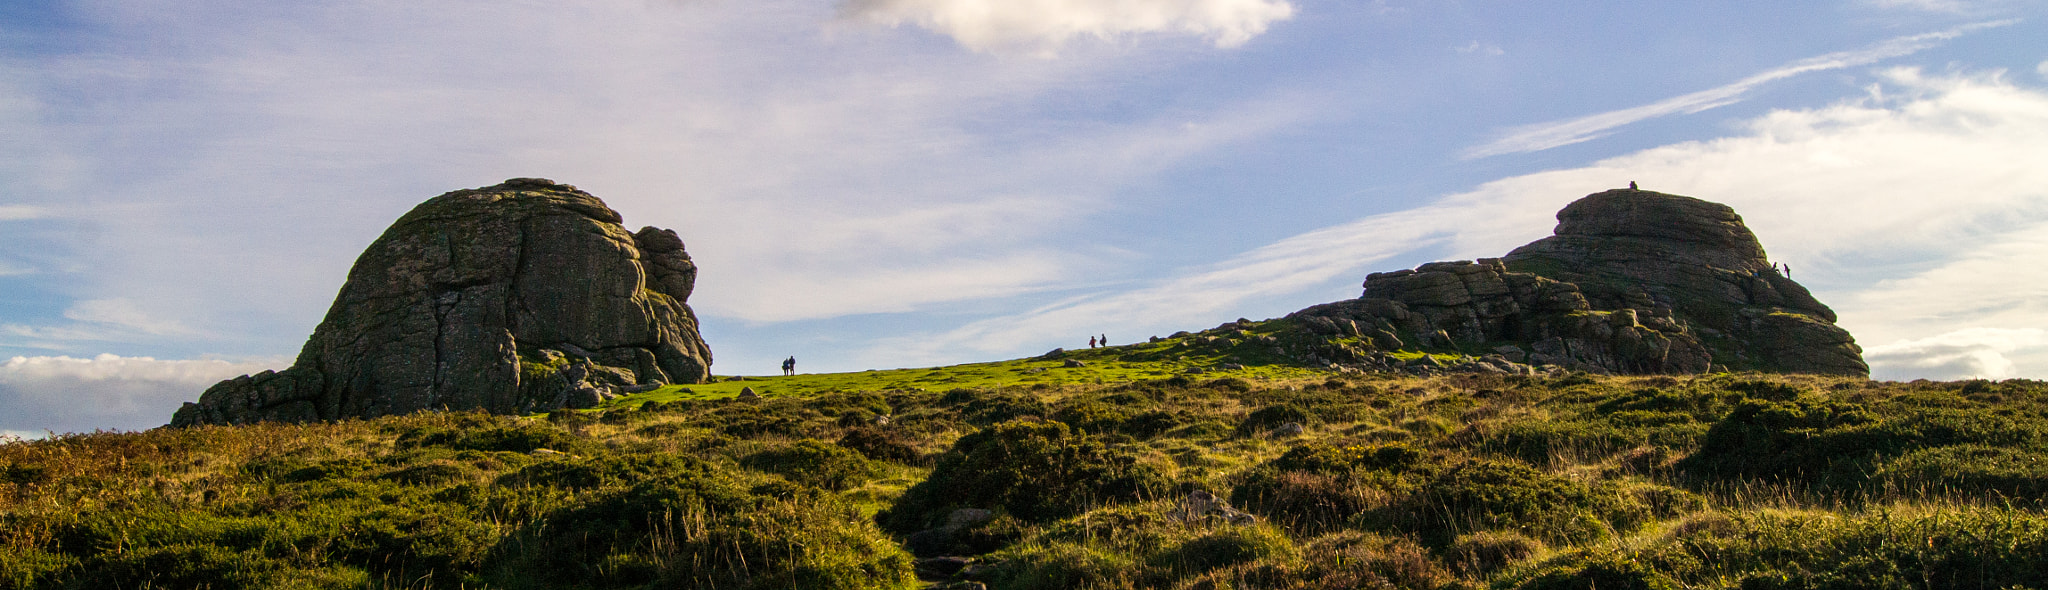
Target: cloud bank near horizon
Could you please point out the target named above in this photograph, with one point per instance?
(63, 394)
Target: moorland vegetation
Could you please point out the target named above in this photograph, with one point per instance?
(1122, 472)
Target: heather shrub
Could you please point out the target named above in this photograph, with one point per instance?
(1034, 471)
(880, 444)
(814, 463)
(1270, 417)
(1479, 495)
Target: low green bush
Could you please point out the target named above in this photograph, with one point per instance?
(1321, 487)
(687, 524)
(1227, 546)
(881, 444)
(1270, 417)
(1035, 471)
(1599, 572)
(522, 437)
(1479, 495)
(1092, 417)
(1484, 552)
(1947, 548)
(2019, 476)
(814, 463)
(1837, 446)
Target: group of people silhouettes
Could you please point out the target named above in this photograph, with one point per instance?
(1094, 341)
(1783, 269)
(789, 366)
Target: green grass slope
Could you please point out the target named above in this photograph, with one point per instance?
(1124, 472)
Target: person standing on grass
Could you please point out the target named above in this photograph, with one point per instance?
(1105, 341)
(789, 366)
(1091, 342)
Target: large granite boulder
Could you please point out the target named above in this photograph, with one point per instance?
(1632, 282)
(522, 297)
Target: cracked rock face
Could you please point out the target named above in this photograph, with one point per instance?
(1632, 282)
(522, 297)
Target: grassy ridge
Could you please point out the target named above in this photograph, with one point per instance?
(1085, 474)
(1107, 365)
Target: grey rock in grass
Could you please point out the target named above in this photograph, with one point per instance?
(521, 297)
(1632, 282)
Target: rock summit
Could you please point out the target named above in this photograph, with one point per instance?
(522, 297)
(1632, 281)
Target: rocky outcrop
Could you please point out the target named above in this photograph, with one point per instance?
(1632, 282)
(522, 297)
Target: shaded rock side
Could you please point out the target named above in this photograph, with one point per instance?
(522, 297)
(1631, 282)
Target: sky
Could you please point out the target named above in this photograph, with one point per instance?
(902, 183)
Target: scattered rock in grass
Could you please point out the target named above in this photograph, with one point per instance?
(747, 393)
(932, 569)
(1288, 430)
(1203, 505)
(966, 517)
(1074, 364)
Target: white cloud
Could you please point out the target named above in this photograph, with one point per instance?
(20, 212)
(1911, 215)
(1973, 353)
(1478, 48)
(93, 320)
(122, 314)
(1543, 136)
(777, 150)
(2042, 68)
(985, 25)
(65, 394)
(1926, 5)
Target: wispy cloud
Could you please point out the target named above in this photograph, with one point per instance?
(92, 321)
(20, 212)
(778, 151)
(1287, 266)
(1927, 5)
(1043, 24)
(65, 394)
(1478, 48)
(1543, 136)
(1841, 192)
(123, 314)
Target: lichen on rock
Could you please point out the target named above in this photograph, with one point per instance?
(522, 297)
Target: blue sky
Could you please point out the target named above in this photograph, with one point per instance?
(888, 183)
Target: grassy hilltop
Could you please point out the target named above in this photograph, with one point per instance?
(1036, 474)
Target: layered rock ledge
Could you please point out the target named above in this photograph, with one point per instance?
(1631, 281)
(522, 297)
